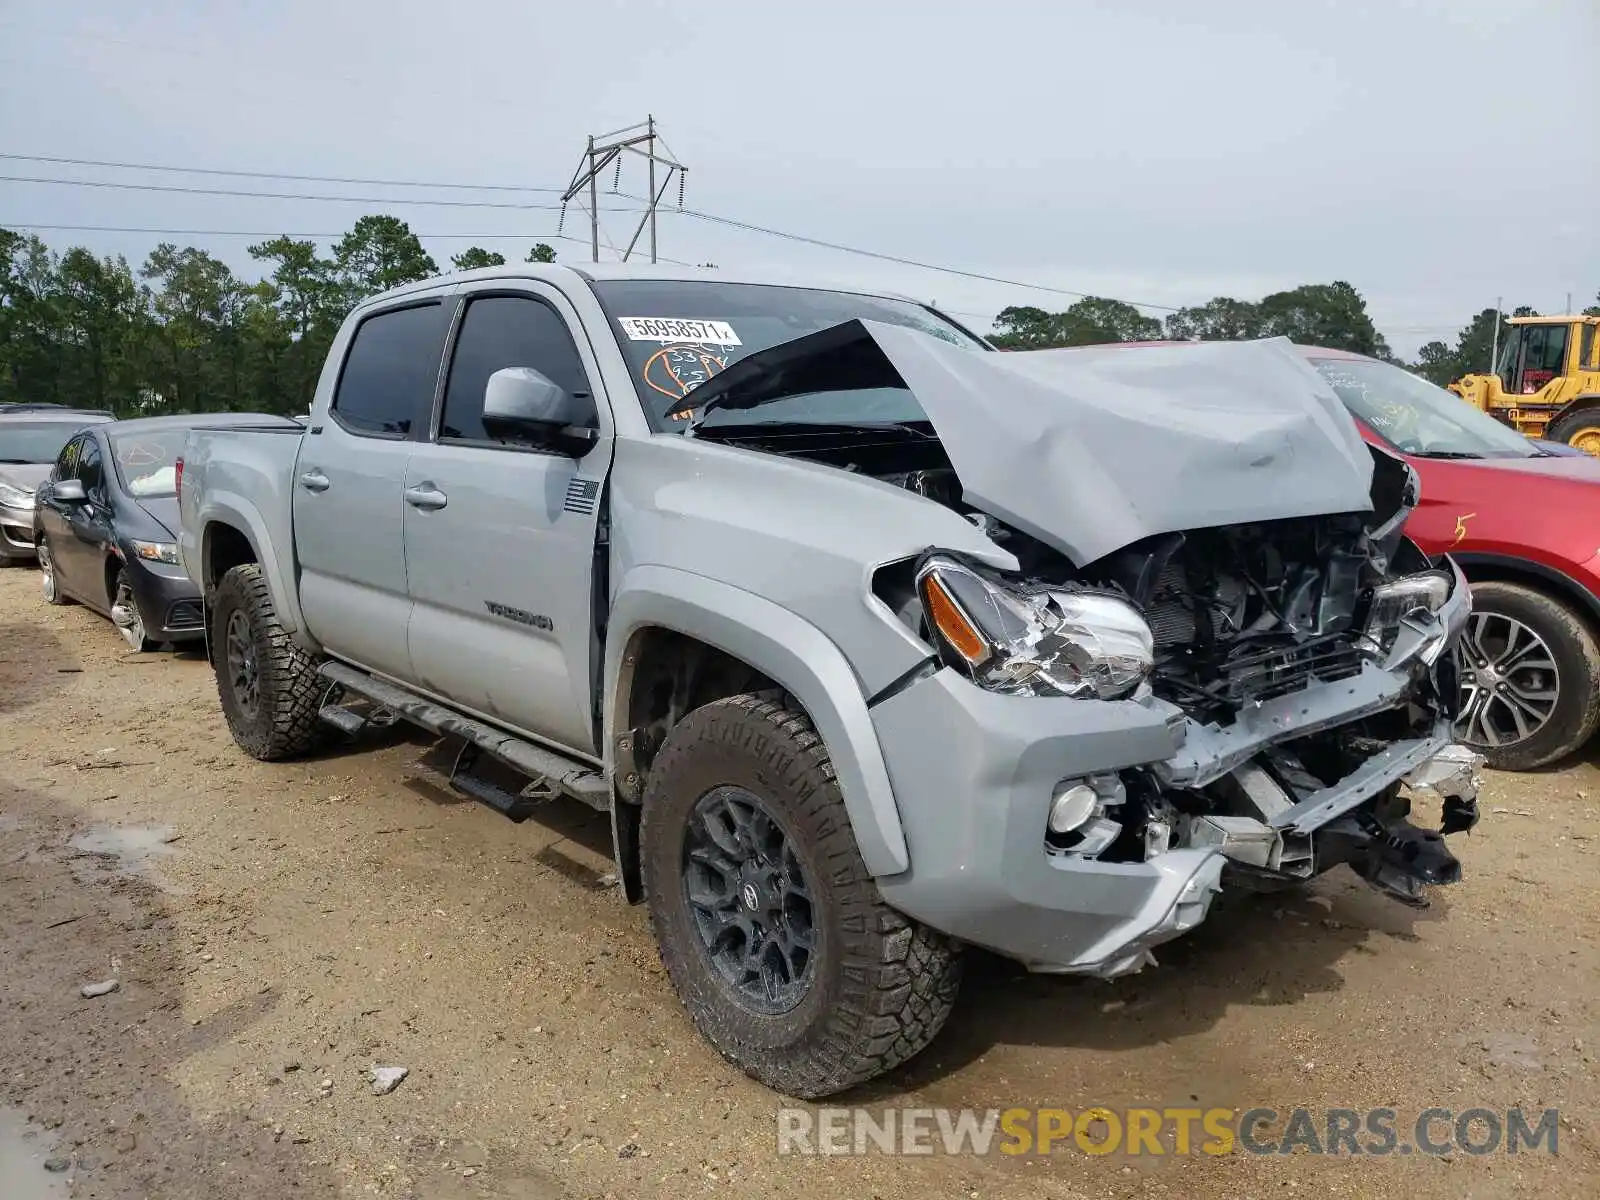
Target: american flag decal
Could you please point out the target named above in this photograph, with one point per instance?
(581, 496)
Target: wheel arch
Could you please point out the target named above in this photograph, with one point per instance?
(749, 643)
(230, 526)
(1485, 568)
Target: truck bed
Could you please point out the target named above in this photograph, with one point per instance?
(243, 475)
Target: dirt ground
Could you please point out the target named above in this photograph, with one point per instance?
(276, 930)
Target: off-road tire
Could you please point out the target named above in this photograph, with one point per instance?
(1576, 653)
(285, 722)
(881, 985)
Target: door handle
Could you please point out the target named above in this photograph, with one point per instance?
(426, 497)
(314, 481)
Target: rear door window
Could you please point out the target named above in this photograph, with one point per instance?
(390, 371)
(499, 332)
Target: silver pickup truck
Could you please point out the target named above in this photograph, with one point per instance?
(874, 643)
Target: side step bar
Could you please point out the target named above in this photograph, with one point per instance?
(572, 778)
(342, 719)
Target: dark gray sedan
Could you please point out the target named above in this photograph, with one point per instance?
(106, 524)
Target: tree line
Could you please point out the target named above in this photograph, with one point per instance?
(1316, 314)
(1324, 314)
(183, 333)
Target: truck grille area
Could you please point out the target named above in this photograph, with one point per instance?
(1248, 613)
(1277, 672)
(1214, 691)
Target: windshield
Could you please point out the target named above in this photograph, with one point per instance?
(676, 335)
(147, 463)
(34, 441)
(1417, 417)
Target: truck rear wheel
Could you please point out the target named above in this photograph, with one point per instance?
(770, 927)
(1530, 677)
(269, 687)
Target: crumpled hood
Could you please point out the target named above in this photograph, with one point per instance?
(1092, 449)
(27, 476)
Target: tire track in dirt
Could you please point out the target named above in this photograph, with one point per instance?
(95, 1071)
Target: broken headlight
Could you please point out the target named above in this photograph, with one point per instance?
(1414, 617)
(1039, 642)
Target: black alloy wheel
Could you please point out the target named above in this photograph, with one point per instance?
(751, 899)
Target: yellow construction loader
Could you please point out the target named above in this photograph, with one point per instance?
(1546, 381)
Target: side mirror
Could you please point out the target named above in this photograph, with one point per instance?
(69, 491)
(521, 402)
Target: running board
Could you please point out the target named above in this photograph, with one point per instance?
(569, 776)
(342, 719)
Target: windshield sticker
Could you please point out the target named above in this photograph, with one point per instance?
(676, 371)
(678, 329)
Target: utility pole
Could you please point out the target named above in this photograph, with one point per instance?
(1494, 353)
(644, 140)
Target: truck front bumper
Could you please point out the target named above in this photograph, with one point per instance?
(974, 774)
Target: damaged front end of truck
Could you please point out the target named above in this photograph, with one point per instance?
(1211, 659)
(1301, 666)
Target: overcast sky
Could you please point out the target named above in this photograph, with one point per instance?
(1434, 153)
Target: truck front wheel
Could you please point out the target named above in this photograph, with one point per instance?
(770, 928)
(269, 687)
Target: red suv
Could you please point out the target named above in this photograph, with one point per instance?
(1524, 524)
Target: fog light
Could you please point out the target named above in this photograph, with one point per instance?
(1071, 805)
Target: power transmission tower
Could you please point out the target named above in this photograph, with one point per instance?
(644, 140)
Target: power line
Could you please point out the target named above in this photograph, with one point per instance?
(196, 191)
(730, 222)
(927, 266)
(895, 258)
(417, 183)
